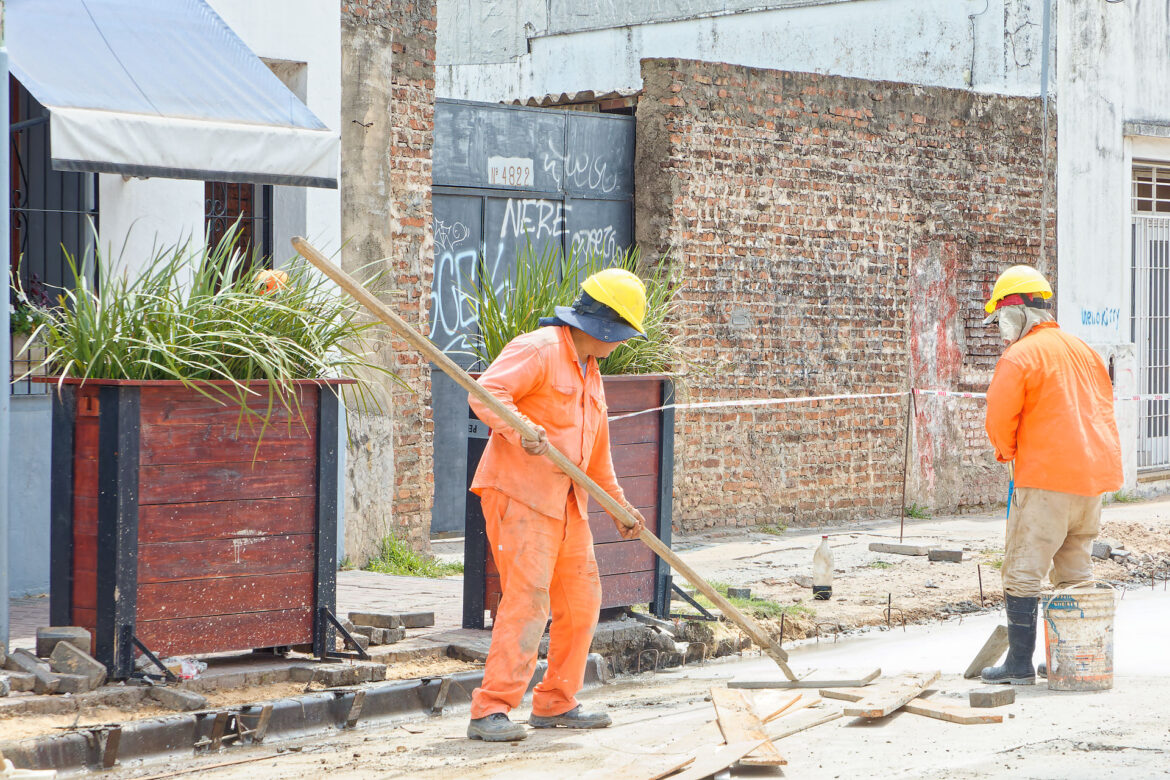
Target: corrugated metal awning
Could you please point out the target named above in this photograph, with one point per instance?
(162, 88)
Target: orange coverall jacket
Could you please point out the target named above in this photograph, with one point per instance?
(538, 375)
(1050, 408)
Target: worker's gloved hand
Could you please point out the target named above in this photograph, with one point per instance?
(631, 533)
(537, 446)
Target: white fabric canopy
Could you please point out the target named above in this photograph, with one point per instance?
(162, 88)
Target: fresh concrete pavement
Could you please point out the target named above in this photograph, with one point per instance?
(1121, 733)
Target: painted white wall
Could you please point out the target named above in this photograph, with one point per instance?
(505, 49)
(1111, 69)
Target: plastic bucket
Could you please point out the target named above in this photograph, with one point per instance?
(1078, 638)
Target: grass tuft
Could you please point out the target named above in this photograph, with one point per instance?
(775, 529)
(880, 565)
(917, 512)
(757, 606)
(396, 557)
(1122, 497)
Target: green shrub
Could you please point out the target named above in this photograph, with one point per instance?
(395, 557)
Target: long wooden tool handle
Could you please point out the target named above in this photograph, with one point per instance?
(451, 369)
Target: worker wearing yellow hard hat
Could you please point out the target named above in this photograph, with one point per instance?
(536, 519)
(1050, 411)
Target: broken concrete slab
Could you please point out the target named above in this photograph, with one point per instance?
(21, 682)
(177, 699)
(992, 697)
(946, 556)
(21, 660)
(376, 619)
(899, 549)
(48, 638)
(66, 658)
(73, 683)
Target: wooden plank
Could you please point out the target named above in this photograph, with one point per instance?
(85, 478)
(951, 713)
(803, 721)
(635, 460)
(776, 713)
(228, 632)
(643, 429)
(889, 695)
(179, 405)
(220, 443)
(992, 650)
(622, 557)
(225, 519)
(225, 558)
(842, 680)
(736, 715)
(631, 393)
(640, 491)
(224, 596)
(195, 482)
(604, 530)
(85, 586)
(622, 590)
(708, 764)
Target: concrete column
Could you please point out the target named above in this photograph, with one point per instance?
(5, 358)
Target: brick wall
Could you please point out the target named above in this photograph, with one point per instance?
(835, 236)
(388, 64)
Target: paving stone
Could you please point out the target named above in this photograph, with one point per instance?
(376, 619)
(739, 593)
(1102, 550)
(302, 672)
(393, 635)
(366, 631)
(177, 698)
(899, 549)
(418, 619)
(946, 556)
(992, 697)
(73, 683)
(337, 675)
(347, 625)
(66, 658)
(5, 686)
(19, 681)
(21, 660)
(48, 638)
(362, 641)
(120, 695)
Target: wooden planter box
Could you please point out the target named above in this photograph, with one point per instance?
(643, 457)
(177, 525)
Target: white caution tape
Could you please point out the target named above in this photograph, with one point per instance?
(743, 404)
(759, 402)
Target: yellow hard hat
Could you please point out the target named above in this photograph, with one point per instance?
(1015, 280)
(621, 291)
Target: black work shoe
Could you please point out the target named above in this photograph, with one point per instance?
(495, 728)
(1042, 671)
(1017, 667)
(573, 719)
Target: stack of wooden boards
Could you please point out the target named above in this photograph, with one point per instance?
(751, 733)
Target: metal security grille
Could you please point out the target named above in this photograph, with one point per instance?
(247, 206)
(1150, 293)
(52, 217)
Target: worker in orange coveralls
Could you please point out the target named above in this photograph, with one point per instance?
(1050, 409)
(536, 519)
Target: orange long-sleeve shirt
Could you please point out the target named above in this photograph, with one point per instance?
(538, 376)
(1050, 408)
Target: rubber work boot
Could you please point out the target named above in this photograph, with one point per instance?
(1017, 667)
(573, 719)
(1042, 671)
(495, 728)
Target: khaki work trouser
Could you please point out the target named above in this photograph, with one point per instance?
(1048, 530)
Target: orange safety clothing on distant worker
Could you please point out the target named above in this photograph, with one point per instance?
(537, 375)
(1050, 408)
(537, 522)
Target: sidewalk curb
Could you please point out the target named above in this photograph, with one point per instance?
(299, 716)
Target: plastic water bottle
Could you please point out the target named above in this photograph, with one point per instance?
(823, 571)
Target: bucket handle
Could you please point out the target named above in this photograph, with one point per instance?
(1047, 600)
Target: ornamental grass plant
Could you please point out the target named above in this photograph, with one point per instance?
(199, 315)
(541, 281)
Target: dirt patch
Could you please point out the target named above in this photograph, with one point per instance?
(428, 667)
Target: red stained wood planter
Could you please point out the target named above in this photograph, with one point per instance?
(188, 526)
(643, 456)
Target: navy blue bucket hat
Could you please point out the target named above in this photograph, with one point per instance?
(595, 318)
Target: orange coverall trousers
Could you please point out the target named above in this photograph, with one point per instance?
(544, 562)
